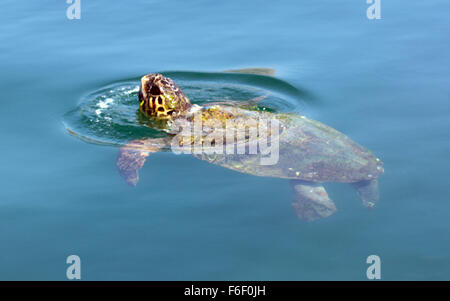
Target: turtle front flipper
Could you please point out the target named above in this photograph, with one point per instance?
(132, 157)
(311, 201)
(367, 192)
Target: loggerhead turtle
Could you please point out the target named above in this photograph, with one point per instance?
(309, 152)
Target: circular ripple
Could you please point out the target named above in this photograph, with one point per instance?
(110, 114)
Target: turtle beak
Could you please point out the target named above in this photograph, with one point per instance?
(142, 89)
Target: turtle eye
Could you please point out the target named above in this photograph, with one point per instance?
(155, 90)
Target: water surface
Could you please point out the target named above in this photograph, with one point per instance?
(382, 82)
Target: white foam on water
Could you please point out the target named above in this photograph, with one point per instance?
(136, 89)
(103, 104)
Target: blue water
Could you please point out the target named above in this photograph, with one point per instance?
(384, 83)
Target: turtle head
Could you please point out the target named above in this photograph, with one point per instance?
(160, 97)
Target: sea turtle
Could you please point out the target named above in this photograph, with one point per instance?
(308, 152)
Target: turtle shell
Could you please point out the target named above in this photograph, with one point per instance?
(307, 150)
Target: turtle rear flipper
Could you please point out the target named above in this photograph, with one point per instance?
(132, 157)
(367, 192)
(311, 201)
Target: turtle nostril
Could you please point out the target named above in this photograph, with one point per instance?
(155, 90)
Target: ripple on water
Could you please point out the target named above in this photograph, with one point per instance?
(110, 115)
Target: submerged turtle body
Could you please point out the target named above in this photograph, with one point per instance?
(307, 151)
